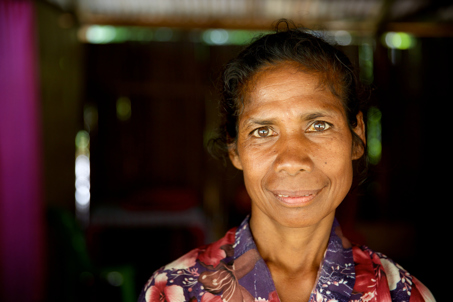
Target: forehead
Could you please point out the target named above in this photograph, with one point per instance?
(287, 85)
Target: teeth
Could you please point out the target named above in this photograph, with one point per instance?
(288, 195)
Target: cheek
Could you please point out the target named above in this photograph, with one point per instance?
(256, 163)
(336, 162)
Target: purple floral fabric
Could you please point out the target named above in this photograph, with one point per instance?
(231, 270)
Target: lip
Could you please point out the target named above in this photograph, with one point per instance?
(295, 198)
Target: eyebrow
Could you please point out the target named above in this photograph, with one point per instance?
(314, 115)
(253, 121)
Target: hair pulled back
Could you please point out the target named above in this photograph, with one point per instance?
(288, 44)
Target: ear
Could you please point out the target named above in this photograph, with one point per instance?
(234, 156)
(359, 149)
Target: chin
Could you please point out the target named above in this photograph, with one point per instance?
(299, 219)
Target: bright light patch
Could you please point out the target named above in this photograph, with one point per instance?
(82, 140)
(239, 37)
(374, 136)
(398, 40)
(82, 184)
(105, 34)
(100, 34)
(82, 176)
(82, 172)
(82, 167)
(228, 37)
(82, 199)
(216, 36)
(343, 37)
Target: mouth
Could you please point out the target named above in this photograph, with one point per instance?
(295, 198)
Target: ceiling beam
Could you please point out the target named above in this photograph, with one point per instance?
(421, 29)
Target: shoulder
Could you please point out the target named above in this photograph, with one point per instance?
(379, 276)
(179, 280)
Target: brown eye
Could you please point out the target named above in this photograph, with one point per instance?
(262, 132)
(319, 126)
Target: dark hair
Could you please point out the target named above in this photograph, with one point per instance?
(289, 44)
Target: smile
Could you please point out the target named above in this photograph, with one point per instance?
(281, 195)
(295, 198)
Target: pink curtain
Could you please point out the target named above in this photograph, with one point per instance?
(22, 268)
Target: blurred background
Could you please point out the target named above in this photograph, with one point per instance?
(107, 108)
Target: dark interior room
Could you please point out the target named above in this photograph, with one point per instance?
(109, 106)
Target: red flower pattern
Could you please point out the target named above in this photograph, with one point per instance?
(273, 297)
(421, 292)
(370, 276)
(211, 274)
(211, 254)
(160, 292)
(208, 297)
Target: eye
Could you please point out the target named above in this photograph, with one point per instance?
(319, 126)
(263, 132)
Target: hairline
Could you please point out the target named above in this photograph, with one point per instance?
(324, 82)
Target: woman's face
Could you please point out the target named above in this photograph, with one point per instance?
(295, 148)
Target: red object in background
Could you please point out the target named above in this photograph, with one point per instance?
(22, 273)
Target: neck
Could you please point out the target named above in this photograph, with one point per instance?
(291, 250)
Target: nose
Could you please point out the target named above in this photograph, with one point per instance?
(294, 155)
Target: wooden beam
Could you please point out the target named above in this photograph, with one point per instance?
(421, 29)
(364, 28)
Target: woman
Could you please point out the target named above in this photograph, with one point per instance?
(293, 125)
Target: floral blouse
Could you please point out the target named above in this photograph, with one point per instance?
(231, 270)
